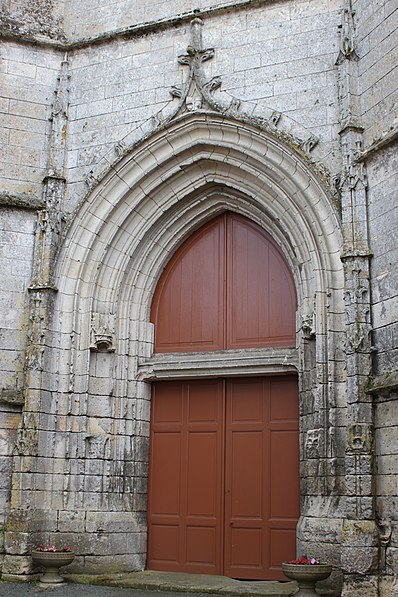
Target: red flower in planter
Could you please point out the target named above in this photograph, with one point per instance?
(305, 560)
(53, 549)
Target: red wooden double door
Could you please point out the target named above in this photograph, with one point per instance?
(224, 482)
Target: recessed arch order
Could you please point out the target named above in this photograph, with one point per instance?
(124, 234)
(172, 183)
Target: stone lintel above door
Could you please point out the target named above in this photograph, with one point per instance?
(219, 363)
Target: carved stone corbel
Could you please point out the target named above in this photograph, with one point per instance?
(308, 327)
(12, 397)
(102, 333)
(360, 438)
(308, 144)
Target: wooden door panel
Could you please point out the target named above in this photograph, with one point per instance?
(197, 430)
(246, 480)
(261, 296)
(202, 471)
(246, 403)
(243, 432)
(244, 503)
(167, 472)
(281, 546)
(201, 549)
(247, 276)
(261, 507)
(281, 300)
(284, 464)
(188, 305)
(284, 451)
(284, 406)
(246, 548)
(164, 546)
(165, 479)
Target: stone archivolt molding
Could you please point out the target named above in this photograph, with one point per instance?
(204, 153)
(198, 166)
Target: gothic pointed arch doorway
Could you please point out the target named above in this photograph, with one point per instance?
(224, 457)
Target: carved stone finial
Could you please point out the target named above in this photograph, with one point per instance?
(195, 57)
(347, 33)
(196, 33)
(195, 53)
(195, 93)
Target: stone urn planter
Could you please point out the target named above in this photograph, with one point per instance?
(306, 576)
(52, 561)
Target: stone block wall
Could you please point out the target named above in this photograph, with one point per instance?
(277, 58)
(288, 66)
(16, 238)
(383, 217)
(383, 214)
(43, 18)
(377, 32)
(28, 79)
(386, 429)
(101, 17)
(16, 250)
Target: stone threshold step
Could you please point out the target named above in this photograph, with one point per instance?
(187, 583)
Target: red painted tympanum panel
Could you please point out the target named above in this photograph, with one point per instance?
(228, 286)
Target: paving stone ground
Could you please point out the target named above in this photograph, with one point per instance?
(83, 590)
(150, 584)
(70, 590)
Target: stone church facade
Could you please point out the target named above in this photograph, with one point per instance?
(125, 128)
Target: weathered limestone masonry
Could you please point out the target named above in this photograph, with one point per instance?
(126, 126)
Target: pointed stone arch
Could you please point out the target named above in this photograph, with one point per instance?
(164, 183)
(115, 250)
